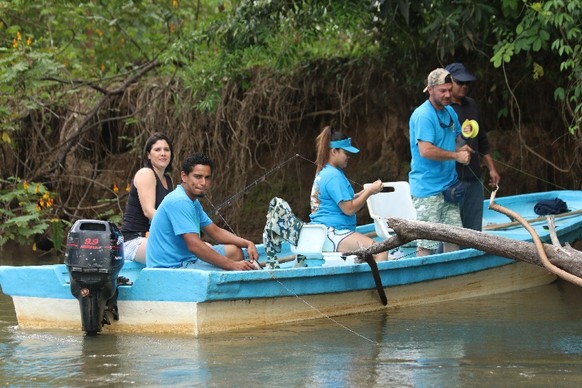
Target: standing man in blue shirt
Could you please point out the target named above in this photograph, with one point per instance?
(434, 127)
(471, 174)
(174, 239)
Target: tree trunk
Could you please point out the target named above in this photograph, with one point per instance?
(567, 258)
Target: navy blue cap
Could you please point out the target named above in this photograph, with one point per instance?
(460, 73)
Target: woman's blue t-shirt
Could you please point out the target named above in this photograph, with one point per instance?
(331, 187)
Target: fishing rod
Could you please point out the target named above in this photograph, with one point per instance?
(217, 208)
(261, 179)
(228, 202)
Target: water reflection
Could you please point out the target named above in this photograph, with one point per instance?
(524, 338)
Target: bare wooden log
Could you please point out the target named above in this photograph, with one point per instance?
(566, 258)
(553, 235)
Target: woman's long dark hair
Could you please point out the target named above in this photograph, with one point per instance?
(327, 135)
(148, 147)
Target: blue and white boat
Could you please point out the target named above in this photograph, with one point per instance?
(197, 302)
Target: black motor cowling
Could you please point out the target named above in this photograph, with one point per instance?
(94, 258)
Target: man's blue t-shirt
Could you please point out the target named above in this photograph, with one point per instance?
(429, 177)
(331, 187)
(176, 215)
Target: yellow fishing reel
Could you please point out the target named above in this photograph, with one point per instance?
(470, 129)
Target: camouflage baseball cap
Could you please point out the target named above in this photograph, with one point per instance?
(437, 77)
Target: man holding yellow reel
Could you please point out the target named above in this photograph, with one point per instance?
(471, 175)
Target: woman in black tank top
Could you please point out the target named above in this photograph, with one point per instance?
(148, 188)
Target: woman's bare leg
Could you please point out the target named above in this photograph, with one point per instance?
(357, 241)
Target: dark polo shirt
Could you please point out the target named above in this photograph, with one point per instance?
(468, 109)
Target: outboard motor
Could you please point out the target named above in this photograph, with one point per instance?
(94, 258)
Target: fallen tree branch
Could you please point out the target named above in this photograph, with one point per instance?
(553, 235)
(567, 258)
(537, 241)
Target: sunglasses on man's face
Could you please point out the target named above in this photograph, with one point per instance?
(443, 125)
(463, 83)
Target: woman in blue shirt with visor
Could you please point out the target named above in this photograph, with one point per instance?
(333, 201)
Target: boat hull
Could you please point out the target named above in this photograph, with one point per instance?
(196, 302)
(197, 318)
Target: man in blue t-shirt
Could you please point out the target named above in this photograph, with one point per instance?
(434, 128)
(174, 240)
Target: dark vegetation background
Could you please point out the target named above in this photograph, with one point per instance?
(261, 150)
(84, 136)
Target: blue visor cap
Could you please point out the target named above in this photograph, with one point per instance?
(345, 144)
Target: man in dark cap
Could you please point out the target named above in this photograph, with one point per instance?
(471, 174)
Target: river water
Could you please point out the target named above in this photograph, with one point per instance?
(527, 338)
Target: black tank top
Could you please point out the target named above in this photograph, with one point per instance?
(135, 223)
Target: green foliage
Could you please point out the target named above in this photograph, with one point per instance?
(111, 216)
(279, 35)
(23, 84)
(460, 24)
(552, 28)
(49, 50)
(207, 44)
(27, 212)
(415, 34)
(52, 50)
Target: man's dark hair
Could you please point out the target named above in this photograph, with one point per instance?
(194, 159)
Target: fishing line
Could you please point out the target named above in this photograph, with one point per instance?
(217, 212)
(315, 164)
(227, 202)
(497, 161)
(260, 179)
(273, 277)
(271, 274)
(528, 174)
(474, 131)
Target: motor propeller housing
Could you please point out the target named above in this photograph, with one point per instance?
(94, 257)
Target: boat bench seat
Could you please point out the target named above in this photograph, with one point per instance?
(310, 245)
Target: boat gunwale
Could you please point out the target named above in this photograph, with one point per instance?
(203, 285)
